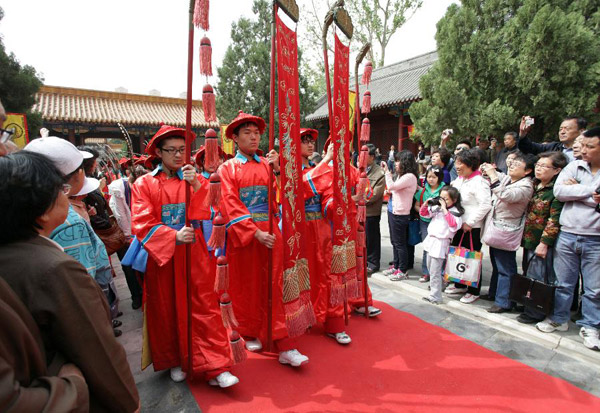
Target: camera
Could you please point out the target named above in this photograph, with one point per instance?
(529, 121)
(435, 201)
(598, 205)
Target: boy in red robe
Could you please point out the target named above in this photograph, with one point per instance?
(318, 236)
(244, 205)
(158, 218)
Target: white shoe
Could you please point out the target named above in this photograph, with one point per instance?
(293, 358)
(341, 338)
(373, 311)
(590, 338)
(225, 379)
(469, 298)
(253, 345)
(548, 326)
(177, 375)
(452, 289)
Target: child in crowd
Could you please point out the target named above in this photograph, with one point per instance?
(434, 178)
(445, 213)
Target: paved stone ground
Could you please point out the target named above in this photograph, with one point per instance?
(558, 354)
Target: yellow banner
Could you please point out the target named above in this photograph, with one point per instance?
(352, 101)
(17, 122)
(227, 144)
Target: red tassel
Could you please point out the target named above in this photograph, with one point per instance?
(229, 319)
(201, 14)
(366, 104)
(217, 238)
(363, 157)
(366, 77)
(214, 193)
(208, 103)
(360, 236)
(362, 211)
(205, 57)
(238, 348)
(365, 130)
(222, 278)
(211, 151)
(362, 185)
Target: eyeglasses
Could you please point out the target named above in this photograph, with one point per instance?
(173, 151)
(539, 165)
(5, 134)
(66, 188)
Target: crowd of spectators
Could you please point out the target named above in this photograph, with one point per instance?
(546, 195)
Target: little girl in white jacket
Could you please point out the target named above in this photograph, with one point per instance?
(445, 222)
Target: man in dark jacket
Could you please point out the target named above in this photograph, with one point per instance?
(377, 184)
(510, 146)
(570, 128)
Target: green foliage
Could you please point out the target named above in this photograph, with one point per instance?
(18, 86)
(501, 59)
(244, 76)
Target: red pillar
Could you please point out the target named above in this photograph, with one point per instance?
(401, 131)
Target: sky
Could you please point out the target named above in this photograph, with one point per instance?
(141, 45)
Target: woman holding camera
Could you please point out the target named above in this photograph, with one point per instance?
(504, 229)
(402, 189)
(476, 201)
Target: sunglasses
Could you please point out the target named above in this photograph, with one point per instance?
(5, 134)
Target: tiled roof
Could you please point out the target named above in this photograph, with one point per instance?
(63, 104)
(390, 85)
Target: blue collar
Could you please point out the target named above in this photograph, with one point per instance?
(159, 169)
(311, 164)
(243, 159)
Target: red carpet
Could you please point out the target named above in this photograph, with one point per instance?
(396, 362)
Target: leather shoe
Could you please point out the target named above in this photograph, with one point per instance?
(116, 323)
(497, 309)
(117, 332)
(136, 302)
(487, 297)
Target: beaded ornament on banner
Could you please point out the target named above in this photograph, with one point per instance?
(217, 239)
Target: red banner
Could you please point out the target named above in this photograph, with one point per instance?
(343, 264)
(296, 282)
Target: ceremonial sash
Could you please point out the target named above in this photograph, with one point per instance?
(296, 282)
(344, 282)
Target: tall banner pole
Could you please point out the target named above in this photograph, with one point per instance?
(188, 153)
(361, 55)
(271, 146)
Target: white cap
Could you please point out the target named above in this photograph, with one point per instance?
(89, 185)
(63, 154)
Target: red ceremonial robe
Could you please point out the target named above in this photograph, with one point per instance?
(321, 178)
(158, 204)
(244, 201)
(318, 252)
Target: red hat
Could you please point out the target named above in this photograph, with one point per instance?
(313, 133)
(164, 132)
(244, 118)
(148, 162)
(327, 143)
(199, 155)
(140, 160)
(124, 161)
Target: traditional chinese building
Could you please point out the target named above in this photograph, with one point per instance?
(91, 116)
(393, 89)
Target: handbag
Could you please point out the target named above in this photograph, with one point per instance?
(463, 265)
(502, 235)
(538, 295)
(113, 237)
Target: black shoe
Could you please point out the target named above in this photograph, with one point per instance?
(116, 323)
(136, 302)
(525, 319)
(576, 317)
(117, 332)
(497, 309)
(519, 308)
(487, 297)
(391, 263)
